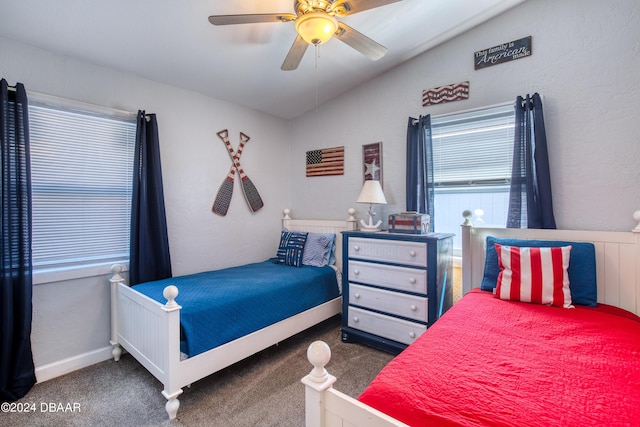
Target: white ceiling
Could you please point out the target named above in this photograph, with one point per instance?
(171, 41)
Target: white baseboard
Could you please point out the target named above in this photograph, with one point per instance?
(61, 367)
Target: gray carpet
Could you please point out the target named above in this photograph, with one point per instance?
(263, 390)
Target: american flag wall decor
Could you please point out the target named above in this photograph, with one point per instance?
(439, 95)
(328, 161)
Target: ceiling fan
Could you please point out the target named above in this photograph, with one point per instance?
(316, 23)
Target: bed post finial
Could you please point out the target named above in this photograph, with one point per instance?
(317, 383)
(467, 214)
(319, 355)
(286, 214)
(170, 293)
(351, 212)
(636, 217)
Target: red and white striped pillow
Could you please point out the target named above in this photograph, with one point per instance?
(536, 275)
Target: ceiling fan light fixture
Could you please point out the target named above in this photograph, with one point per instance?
(316, 27)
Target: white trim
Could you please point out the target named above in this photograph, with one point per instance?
(472, 110)
(62, 367)
(44, 276)
(73, 105)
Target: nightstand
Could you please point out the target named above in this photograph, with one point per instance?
(395, 286)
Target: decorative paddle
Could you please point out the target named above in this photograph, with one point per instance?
(248, 188)
(223, 198)
(225, 192)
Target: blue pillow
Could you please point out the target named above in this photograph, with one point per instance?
(291, 248)
(582, 267)
(318, 250)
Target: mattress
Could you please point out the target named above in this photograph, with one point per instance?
(222, 305)
(489, 362)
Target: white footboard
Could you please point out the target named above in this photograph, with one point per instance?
(150, 331)
(327, 407)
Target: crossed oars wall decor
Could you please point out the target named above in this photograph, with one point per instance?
(225, 192)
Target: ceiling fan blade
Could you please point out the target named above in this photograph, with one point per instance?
(360, 42)
(349, 7)
(251, 19)
(295, 54)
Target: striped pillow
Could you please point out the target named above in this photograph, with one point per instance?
(533, 274)
(291, 248)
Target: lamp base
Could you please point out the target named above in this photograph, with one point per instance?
(370, 226)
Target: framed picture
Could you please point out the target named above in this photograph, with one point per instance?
(372, 162)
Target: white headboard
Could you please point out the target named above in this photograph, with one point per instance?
(323, 226)
(617, 259)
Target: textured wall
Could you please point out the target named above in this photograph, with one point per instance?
(585, 62)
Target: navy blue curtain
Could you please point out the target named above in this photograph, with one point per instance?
(149, 251)
(17, 374)
(530, 201)
(420, 186)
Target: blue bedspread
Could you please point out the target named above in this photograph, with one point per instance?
(222, 305)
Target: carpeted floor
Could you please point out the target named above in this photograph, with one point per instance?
(263, 390)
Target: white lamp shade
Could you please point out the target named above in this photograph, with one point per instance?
(372, 193)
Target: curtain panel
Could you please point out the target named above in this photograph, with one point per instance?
(17, 373)
(530, 200)
(420, 187)
(149, 251)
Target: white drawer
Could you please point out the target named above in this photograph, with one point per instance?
(410, 253)
(385, 326)
(389, 276)
(409, 306)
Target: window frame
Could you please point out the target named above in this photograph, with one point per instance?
(86, 269)
(486, 186)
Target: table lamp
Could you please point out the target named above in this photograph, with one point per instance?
(371, 193)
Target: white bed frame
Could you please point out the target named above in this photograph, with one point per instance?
(618, 272)
(150, 331)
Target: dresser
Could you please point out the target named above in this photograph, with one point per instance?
(394, 286)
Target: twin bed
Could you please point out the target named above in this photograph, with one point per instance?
(185, 328)
(510, 358)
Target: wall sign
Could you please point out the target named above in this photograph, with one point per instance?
(502, 53)
(439, 95)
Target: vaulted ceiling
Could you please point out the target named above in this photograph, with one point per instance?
(172, 41)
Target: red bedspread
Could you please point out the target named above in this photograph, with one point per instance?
(489, 362)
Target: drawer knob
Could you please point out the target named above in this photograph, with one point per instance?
(412, 334)
(412, 253)
(356, 319)
(356, 248)
(412, 280)
(356, 296)
(356, 272)
(413, 307)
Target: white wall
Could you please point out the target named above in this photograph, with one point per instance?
(585, 62)
(71, 318)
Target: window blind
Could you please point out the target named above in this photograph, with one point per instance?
(81, 166)
(473, 148)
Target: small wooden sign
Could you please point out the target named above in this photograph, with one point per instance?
(502, 53)
(439, 95)
(327, 161)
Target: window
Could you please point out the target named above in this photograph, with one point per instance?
(81, 166)
(472, 154)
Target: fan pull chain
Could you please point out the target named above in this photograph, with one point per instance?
(317, 47)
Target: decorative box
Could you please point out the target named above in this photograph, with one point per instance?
(409, 223)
